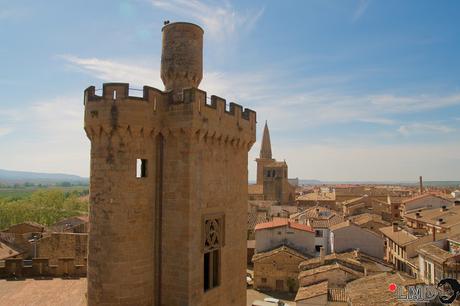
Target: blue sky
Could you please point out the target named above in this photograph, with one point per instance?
(352, 90)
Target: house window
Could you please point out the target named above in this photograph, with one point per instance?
(318, 248)
(141, 168)
(318, 233)
(264, 280)
(213, 241)
(279, 284)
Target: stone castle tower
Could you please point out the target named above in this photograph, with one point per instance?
(168, 187)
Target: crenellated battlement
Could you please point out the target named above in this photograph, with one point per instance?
(120, 91)
(115, 91)
(156, 110)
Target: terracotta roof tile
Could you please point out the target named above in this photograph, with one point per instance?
(281, 222)
(434, 252)
(6, 251)
(450, 216)
(280, 249)
(311, 291)
(373, 290)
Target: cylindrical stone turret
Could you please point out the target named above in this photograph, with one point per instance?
(181, 56)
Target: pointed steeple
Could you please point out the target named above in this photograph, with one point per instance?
(266, 147)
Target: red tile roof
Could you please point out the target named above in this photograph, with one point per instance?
(421, 196)
(281, 222)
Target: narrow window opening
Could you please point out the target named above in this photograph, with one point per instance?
(114, 94)
(215, 268)
(141, 168)
(211, 271)
(206, 271)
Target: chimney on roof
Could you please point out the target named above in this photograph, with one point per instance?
(443, 208)
(321, 255)
(356, 253)
(439, 222)
(417, 215)
(420, 184)
(395, 227)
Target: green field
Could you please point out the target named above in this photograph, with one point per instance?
(21, 192)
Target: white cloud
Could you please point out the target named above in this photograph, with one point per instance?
(360, 9)
(294, 108)
(400, 104)
(116, 71)
(420, 128)
(220, 20)
(4, 131)
(51, 138)
(13, 13)
(376, 120)
(314, 101)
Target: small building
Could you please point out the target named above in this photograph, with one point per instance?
(313, 295)
(366, 204)
(278, 269)
(21, 236)
(62, 245)
(436, 262)
(424, 201)
(346, 236)
(401, 248)
(77, 224)
(370, 221)
(336, 274)
(435, 221)
(320, 219)
(324, 198)
(395, 204)
(284, 232)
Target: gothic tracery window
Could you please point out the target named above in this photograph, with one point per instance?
(213, 241)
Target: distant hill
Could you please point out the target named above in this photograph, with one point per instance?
(310, 182)
(20, 177)
(403, 183)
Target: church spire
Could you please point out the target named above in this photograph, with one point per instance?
(266, 147)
